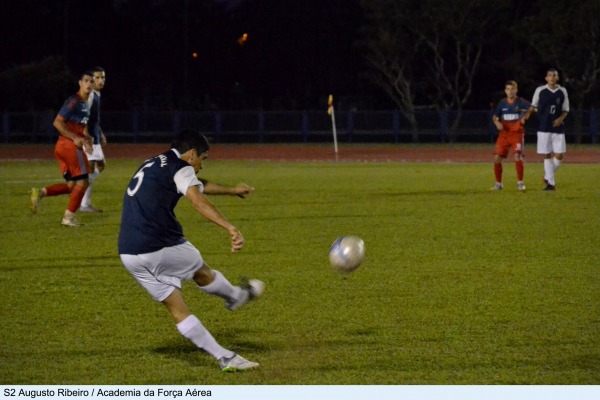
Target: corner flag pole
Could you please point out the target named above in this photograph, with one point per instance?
(331, 112)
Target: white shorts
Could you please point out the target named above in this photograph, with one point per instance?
(548, 142)
(97, 154)
(162, 271)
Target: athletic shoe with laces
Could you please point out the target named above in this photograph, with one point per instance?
(70, 222)
(521, 186)
(251, 289)
(549, 188)
(35, 197)
(90, 209)
(497, 186)
(236, 363)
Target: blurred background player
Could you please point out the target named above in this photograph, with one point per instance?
(551, 103)
(71, 124)
(153, 249)
(96, 156)
(509, 120)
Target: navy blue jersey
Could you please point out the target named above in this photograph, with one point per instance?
(550, 104)
(94, 121)
(148, 221)
(510, 114)
(75, 113)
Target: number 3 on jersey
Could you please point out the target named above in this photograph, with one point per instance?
(140, 177)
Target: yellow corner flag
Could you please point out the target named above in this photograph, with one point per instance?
(332, 115)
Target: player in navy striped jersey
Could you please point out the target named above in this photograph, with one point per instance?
(551, 103)
(73, 140)
(154, 250)
(509, 120)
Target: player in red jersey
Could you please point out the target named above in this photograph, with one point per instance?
(509, 119)
(71, 124)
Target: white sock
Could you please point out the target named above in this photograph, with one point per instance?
(556, 163)
(222, 287)
(549, 171)
(192, 328)
(86, 201)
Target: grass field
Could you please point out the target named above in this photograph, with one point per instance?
(461, 285)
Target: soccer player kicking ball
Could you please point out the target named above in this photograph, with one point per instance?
(509, 121)
(153, 249)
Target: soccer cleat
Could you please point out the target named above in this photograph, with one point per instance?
(497, 186)
(549, 188)
(236, 363)
(70, 222)
(521, 186)
(90, 209)
(35, 196)
(251, 289)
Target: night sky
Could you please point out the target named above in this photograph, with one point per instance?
(295, 53)
(188, 54)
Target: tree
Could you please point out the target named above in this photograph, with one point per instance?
(454, 33)
(433, 45)
(390, 58)
(567, 36)
(36, 86)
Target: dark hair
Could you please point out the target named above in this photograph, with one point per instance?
(86, 73)
(552, 70)
(187, 139)
(98, 69)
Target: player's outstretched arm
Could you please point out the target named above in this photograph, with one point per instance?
(208, 210)
(241, 189)
(532, 110)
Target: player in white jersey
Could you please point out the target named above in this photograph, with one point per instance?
(96, 157)
(551, 103)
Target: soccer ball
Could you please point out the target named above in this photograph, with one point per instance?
(346, 253)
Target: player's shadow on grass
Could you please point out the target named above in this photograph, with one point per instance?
(64, 262)
(428, 193)
(235, 340)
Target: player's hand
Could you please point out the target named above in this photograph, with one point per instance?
(87, 144)
(242, 190)
(557, 122)
(79, 142)
(237, 240)
(103, 140)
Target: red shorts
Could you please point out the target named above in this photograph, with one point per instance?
(72, 161)
(508, 141)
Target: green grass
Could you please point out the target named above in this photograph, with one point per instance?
(460, 286)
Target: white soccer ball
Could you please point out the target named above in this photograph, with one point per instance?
(347, 253)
